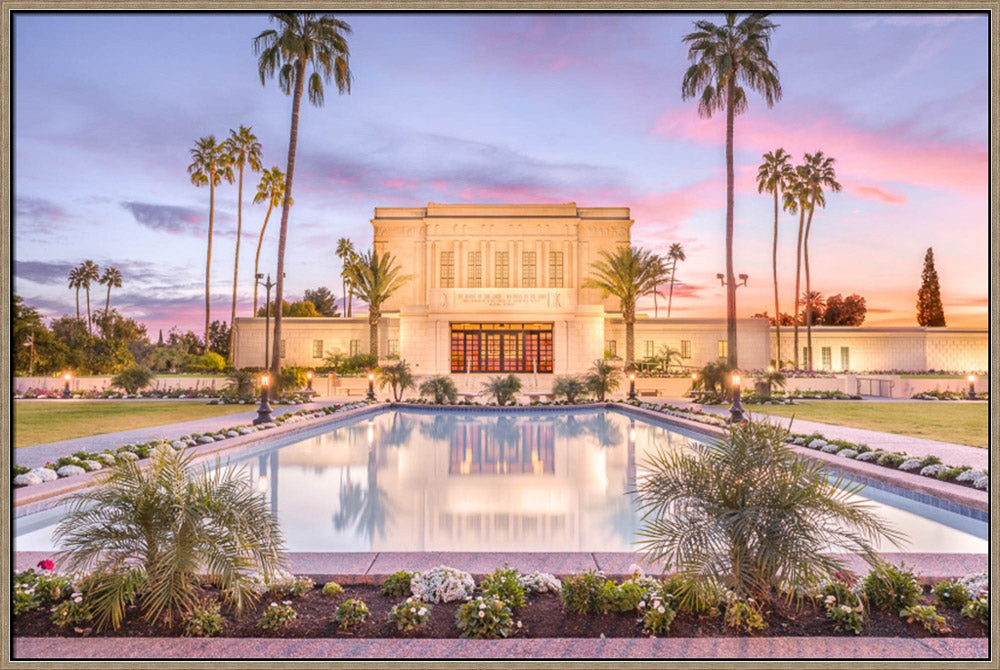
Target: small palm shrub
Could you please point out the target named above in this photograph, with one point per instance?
(890, 588)
(411, 614)
(204, 620)
(568, 387)
(351, 613)
(153, 533)
(331, 589)
(277, 616)
(757, 516)
(291, 379)
(243, 382)
(484, 618)
(441, 388)
(603, 378)
(397, 377)
(713, 378)
(926, 616)
(132, 379)
(503, 389)
(505, 584)
(951, 594)
(397, 584)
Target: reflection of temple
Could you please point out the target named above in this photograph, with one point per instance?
(562, 485)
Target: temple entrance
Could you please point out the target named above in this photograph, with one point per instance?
(501, 347)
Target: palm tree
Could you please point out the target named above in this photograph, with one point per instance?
(89, 272)
(441, 388)
(271, 189)
(111, 277)
(796, 200)
(749, 513)
(502, 388)
(569, 387)
(675, 255)
(629, 274)
(76, 282)
(814, 303)
(157, 532)
(243, 149)
(374, 279)
(397, 376)
(210, 164)
(345, 252)
(603, 378)
(818, 173)
(773, 176)
(304, 40)
(723, 59)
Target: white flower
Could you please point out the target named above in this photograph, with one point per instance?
(482, 614)
(78, 599)
(642, 603)
(274, 604)
(518, 624)
(482, 606)
(287, 602)
(423, 611)
(830, 600)
(660, 610)
(413, 610)
(845, 608)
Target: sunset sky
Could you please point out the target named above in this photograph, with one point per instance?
(499, 108)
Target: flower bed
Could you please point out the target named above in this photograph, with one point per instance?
(507, 604)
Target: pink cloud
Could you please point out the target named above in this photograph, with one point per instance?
(875, 193)
(890, 155)
(399, 183)
(665, 211)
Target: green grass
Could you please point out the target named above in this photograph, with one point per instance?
(959, 423)
(52, 420)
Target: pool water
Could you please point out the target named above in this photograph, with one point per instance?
(433, 480)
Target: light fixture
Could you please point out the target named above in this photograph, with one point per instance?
(264, 411)
(66, 392)
(631, 386)
(736, 410)
(262, 484)
(371, 386)
(972, 387)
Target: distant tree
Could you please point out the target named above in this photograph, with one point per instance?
(675, 255)
(815, 307)
(219, 338)
(301, 308)
(89, 272)
(346, 254)
(841, 311)
(76, 283)
(375, 278)
(930, 311)
(31, 342)
(323, 300)
(271, 189)
(111, 277)
(773, 176)
(188, 341)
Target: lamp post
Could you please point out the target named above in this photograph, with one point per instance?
(972, 387)
(309, 386)
(371, 386)
(631, 386)
(694, 382)
(736, 410)
(66, 392)
(264, 411)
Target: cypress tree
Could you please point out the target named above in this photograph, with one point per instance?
(929, 309)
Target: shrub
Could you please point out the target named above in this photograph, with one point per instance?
(209, 362)
(978, 608)
(442, 585)
(291, 379)
(744, 615)
(351, 365)
(926, 616)
(204, 620)
(484, 618)
(568, 387)
(284, 584)
(541, 582)
(585, 593)
(243, 382)
(891, 459)
(505, 585)
(761, 516)
(658, 617)
(410, 614)
(277, 616)
(441, 388)
(32, 590)
(173, 525)
(73, 612)
(331, 589)
(846, 618)
(133, 379)
(351, 613)
(503, 389)
(628, 595)
(890, 588)
(397, 584)
(397, 376)
(697, 596)
(951, 594)
(603, 378)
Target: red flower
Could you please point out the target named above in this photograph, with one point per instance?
(46, 564)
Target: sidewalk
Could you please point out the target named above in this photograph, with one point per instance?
(949, 453)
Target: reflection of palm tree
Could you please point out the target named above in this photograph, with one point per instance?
(570, 427)
(369, 509)
(506, 431)
(441, 427)
(605, 432)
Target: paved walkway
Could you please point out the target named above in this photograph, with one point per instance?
(949, 453)
(39, 454)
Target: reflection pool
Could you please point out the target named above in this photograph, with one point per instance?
(519, 480)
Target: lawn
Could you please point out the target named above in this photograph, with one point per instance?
(960, 423)
(51, 420)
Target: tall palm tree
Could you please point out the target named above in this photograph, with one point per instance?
(676, 254)
(304, 40)
(724, 59)
(773, 176)
(796, 201)
(111, 277)
(243, 149)
(89, 272)
(271, 189)
(375, 278)
(628, 274)
(817, 175)
(345, 252)
(210, 164)
(815, 304)
(76, 282)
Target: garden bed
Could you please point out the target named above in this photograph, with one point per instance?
(543, 616)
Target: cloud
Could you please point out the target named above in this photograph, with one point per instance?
(874, 193)
(39, 209)
(167, 218)
(920, 20)
(42, 272)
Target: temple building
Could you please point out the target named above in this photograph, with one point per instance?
(499, 288)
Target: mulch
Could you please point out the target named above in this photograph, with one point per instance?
(543, 616)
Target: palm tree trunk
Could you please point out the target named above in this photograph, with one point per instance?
(774, 270)
(343, 288)
(107, 302)
(283, 231)
(87, 287)
(809, 297)
(208, 260)
(730, 279)
(656, 307)
(350, 300)
(256, 260)
(77, 303)
(373, 316)
(670, 301)
(236, 264)
(628, 312)
(798, 272)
